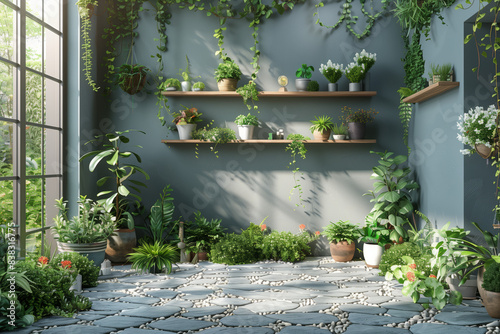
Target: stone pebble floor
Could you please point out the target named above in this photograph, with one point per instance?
(314, 296)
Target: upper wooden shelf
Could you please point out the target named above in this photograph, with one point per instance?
(274, 141)
(274, 94)
(431, 91)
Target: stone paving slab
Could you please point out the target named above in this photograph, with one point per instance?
(463, 308)
(402, 314)
(203, 311)
(121, 322)
(143, 331)
(279, 277)
(152, 312)
(140, 300)
(104, 295)
(112, 306)
(305, 318)
(378, 299)
(90, 317)
(165, 284)
(110, 286)
(180, 303)
(334, 300)
(79, 329)
(55, 321)
(428, 328)
(139, 279)
(364, 329)
(313, 285)
(230, 301)
(164, 294)
(373, 320)
(26, 330)
(403, 306)
(304, 330)
(180, 324)
(358, 308)
(253, 320)
(271, 306)
(464, 318)
(238, 330)
(310, 308)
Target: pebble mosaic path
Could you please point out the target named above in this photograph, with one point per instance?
(315, 296)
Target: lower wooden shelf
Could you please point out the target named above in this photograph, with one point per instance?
(267, 141)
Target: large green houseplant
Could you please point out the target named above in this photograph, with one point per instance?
(201, 234)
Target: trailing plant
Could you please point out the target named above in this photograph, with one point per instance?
(247, 120)
(186, 74)
(92, 224)
(296, 147)
(332, 72)
(228, 69)
(341, 231)
(112, 152)
(156, 255)
(391, 194)
(86, 10)
(312, 86)
(321, 124)
(339, 129)
(170, 82)
(249, 92)
(359, 116)
(131, 78)
(215, 135)
(82, 264)
(394, 257)
(491, 278)
(304, 71)
(405, 112)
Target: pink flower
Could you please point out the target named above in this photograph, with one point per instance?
(411, 276)
(413, 266)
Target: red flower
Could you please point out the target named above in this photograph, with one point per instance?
(411, 276)
(263, 227)
(43, 260)
(433, 276)
(413, 266)
(66, 264)
(317, 232)
(302, 226)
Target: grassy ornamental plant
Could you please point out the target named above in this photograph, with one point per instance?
(341, 231)
(247, 120)
(92, 224)
(355, 72)
(339, 129)
(358, 116)
(304, 72)
(321, 124)
(228, 69)
(154, 257)
(332, 72)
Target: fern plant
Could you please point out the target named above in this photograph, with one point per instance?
(405, 112)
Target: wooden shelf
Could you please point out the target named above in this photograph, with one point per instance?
(275, 141)
(431, 91)
(272, 94)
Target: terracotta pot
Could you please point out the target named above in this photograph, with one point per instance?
(480, 275)
(356, 130)
(484, 151)
(120, 244)
(202, 256)
(134, 84)
(491, 300)
(372, 254)
(342, 251)
(227, 84)
(322, 135)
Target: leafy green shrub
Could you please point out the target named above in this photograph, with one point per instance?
(492, 278)
(235, 249)
(81, 263)
(313, 86)
(342, 231)
(394, 256)
(50, 291)
(285, 246)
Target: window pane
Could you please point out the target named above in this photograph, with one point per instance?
(53, 191)
(6, 150)
(33, 243)
(33, 45)
(34, 7)
(7, 99)
(33, 150)
(52, 152)
(51, 13)
(52, 55)
(7, 33)
(6, 202)
(52, 103)
(34, 209)
(33, 97)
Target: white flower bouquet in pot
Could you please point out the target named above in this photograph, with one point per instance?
(478, 130)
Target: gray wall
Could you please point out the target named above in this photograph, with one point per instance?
(250, 182)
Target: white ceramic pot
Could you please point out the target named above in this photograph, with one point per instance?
(186, 86)
(355, 86)
(333, 87)
(245, 131)
(77, 285)
(186, 131)
(338, 137)
(372, 254)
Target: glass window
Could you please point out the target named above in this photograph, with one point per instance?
(7, 33)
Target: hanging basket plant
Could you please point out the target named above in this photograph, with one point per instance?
(132, 78)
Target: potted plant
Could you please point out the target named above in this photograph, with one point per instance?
(391, 195)
(185, 121)
(132, 78)
(332, 72)
(374, 236)
(216, 135)
(198, 86)
(171, 84)
(321, 127)
(366, 60)
(356, 121)
(124, 197)
(491, 286)
(303, 75)
(246, 125)
(87, 232)
(339, 131)
(440, 73)
(342, 236)
(478, 130)
(153, 258)
(202, 234)
(355, 72)
(227, 75)
(186, 76)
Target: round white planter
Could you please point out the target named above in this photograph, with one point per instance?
(338, 137)
(245, 131)
(186, 131)
(372, 254)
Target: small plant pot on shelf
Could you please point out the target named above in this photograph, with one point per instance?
(186, 86)
(227, 85)
(338, 137)
(372, 254)
(321, 135)
(301, 84)
(342, 251)
(355, 86)
(356, 130)
(120, 244)
(245, 131)
(186, 131)
(333, 87)
(468, 289)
